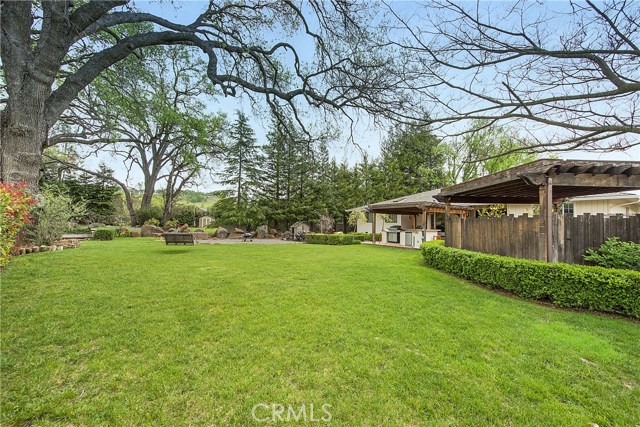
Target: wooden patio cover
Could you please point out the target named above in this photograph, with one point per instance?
(546, 182)
(569, 178)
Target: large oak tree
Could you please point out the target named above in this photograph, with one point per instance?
(52, 50)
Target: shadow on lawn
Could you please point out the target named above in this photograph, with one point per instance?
(173, 251)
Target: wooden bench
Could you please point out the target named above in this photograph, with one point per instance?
(179, 238)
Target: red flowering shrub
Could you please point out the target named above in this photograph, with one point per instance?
(15, 208)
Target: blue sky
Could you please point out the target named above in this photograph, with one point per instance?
(366, 135)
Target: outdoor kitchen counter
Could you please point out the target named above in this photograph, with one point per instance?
(413, 238)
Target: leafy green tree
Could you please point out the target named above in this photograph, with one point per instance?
(412, 161)
(96, 192)
(484, 150)
(151, 114)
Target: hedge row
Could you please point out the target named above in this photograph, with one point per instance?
(330, 239)
(365, 237)
(593, 288)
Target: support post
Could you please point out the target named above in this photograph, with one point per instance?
(546, 220)
(549, 219)
(424, 224)
(447, 208)
(373, 228)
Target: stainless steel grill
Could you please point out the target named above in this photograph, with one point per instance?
(393, 234)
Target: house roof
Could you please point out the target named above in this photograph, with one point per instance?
(608, 196)
(568, 178)
(411, 204)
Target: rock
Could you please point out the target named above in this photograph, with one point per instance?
(68, 243)
(22, 251)
(262, 232)
(222, 233)
(183, 228)
(198, 235)
(238, 230)
(35, 249)
(44, 248)
(273, 232)
(136, 234)
(148, 230)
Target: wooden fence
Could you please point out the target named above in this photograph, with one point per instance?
(521, 237)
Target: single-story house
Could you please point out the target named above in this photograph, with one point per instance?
(623, 203)
(412, 219)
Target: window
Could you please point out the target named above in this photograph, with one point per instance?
(567, 208)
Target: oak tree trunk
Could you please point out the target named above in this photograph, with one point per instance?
(23, 134)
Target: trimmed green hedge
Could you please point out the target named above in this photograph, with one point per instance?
(330, 239)
(593, 288)
(104, 234)
(365, 237)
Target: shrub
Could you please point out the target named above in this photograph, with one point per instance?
(104, 234)
(365, 237)
(144, 215)
(152, 221)
(616, 254)
(330, 239)
(172, 223)
(123, 232)
(185, 215)
(15, 206)
(594, 288)
(56, 209)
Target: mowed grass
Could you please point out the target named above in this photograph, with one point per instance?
(132, 332)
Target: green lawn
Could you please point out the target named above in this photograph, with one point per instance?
(132, 332)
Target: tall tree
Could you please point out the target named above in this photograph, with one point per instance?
(52, 50)
(240, 175)
(413, 161)
(153, 119)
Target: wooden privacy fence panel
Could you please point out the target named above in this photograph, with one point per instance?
(517, 237)
(520, 237)
(590, 231)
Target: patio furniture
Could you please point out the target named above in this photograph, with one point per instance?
(179, 238)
